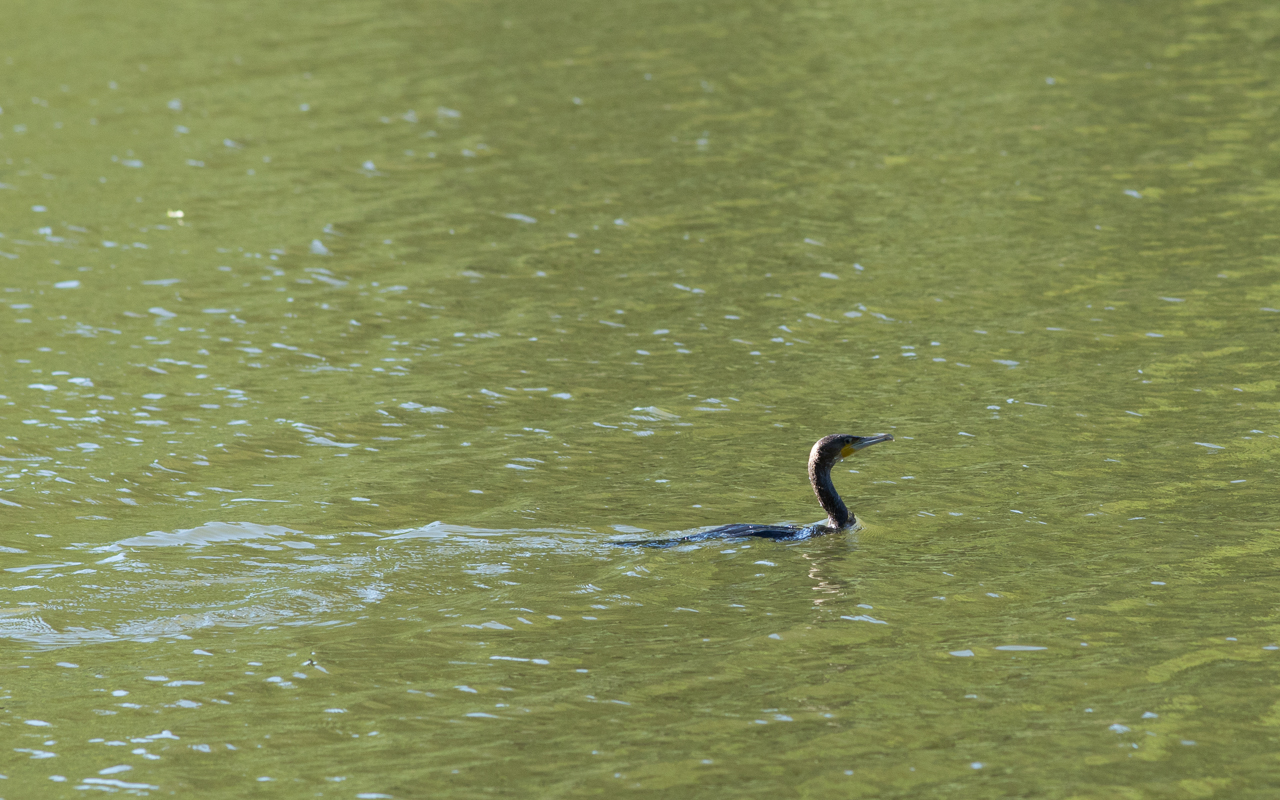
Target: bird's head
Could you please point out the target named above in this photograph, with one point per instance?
(830, 449)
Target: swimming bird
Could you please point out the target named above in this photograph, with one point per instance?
(826, 453)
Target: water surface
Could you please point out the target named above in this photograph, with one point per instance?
(341, 342)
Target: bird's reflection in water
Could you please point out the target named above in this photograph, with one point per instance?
(822, 583)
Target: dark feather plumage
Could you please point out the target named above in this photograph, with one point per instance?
(825, 453)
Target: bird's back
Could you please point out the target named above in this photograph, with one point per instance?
(738, 530)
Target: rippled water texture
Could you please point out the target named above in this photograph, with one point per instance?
(342, 340)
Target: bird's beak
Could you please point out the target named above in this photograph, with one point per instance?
(867, 441)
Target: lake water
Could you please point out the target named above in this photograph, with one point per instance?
(341, 340)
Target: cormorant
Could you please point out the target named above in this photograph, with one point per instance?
(826, 452)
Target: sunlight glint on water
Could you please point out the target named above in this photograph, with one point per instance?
(342, 345)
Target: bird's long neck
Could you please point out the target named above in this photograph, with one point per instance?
(838, 514)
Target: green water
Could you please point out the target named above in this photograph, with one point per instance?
(309, 490)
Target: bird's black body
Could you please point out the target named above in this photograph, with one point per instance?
(825, 454)
(738, 530)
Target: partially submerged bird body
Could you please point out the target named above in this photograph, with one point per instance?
(826, 453)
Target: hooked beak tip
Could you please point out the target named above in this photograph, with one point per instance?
(870, 440)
